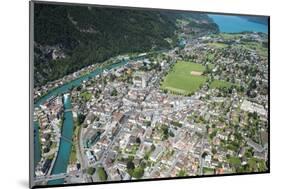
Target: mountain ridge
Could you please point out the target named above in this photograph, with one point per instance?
(68, 38)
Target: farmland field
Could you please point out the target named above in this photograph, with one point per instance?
(181, 80)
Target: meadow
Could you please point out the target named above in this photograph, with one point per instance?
(186, 77)
(181, 80)
(220, 84)
(217, 45)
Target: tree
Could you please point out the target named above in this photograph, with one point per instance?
(204, 155)
(114, 92)
(207, 69)
(182, 173)
(171, 134)
(138, 172)
(146, 155)
(91, 170)
(165, 132)
(130, 165)
(79, 88)
(214, 151)
(152, 148)
(207, 128)
(234, 162)
(102, 174)
(81, 118)
(46, 150)
(138, 140)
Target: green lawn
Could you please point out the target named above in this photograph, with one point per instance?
(73, 156)
(220, 84)
(234, 161)
(180, 80)
(228, 36)
(86, 96)
(208, 171)
(102, 174)
(257, 165)
(217, 45)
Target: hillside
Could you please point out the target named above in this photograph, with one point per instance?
(68, 38)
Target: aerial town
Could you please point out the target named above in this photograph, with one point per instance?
(198, 109)
(127, 125)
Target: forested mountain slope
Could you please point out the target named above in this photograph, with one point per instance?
(68, 38)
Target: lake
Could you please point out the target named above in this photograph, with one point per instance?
(237, 24)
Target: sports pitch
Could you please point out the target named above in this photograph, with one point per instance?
(184, 78)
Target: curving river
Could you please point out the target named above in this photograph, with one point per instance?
(62, 159)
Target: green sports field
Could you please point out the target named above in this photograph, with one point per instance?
(185, 78)
(181, 79)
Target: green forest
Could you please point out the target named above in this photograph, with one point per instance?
(87, 35)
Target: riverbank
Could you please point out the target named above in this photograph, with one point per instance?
(65, 143)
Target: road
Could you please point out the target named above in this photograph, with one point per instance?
(201, 159)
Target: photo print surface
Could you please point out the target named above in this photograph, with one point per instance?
(125, 94)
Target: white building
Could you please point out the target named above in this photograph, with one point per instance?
(140, 79)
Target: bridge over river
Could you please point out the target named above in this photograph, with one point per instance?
(55, 176)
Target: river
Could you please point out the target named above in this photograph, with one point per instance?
(62, 159)
(74, 83)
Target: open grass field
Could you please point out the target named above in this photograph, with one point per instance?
(181, 79)
(261, 50)
(208, 171)
(217, 45)
(186, 77)
(220, 84)
(228, 36)
(86, 96)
